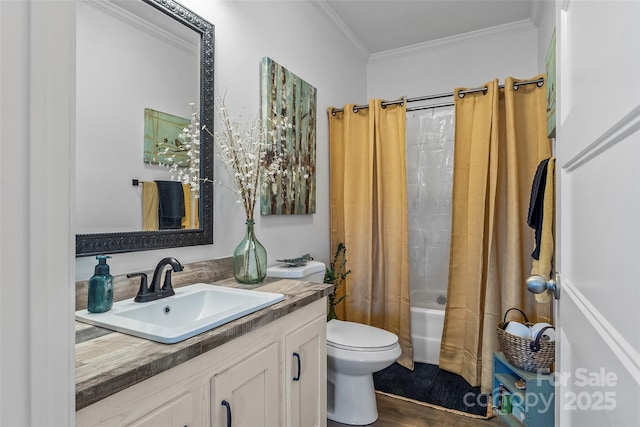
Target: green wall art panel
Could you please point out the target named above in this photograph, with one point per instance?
(286, 96)
(162, 138)
(550, 65)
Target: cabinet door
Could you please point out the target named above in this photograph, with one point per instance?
(305, 375)
(248, 392)
(176, 413)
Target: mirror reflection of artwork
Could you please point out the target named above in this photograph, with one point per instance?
(286, 98)
(162, 142)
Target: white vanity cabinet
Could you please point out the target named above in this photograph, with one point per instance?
(247, 394)
(253, 374)
(305, 375)
(178, 412)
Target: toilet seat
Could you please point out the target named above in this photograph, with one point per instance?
(358, 337)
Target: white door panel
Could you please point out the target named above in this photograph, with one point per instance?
(601, 238)
(598, 222)
(596, 382)
(600, 47)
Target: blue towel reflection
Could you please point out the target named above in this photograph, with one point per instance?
(171, 206)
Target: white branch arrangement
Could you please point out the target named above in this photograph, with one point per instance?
(190, 139)
(251, 154)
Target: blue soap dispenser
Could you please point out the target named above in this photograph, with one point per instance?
(100, 287)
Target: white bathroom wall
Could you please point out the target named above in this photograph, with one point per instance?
(546, 26)
(301, 38)
(469, 60)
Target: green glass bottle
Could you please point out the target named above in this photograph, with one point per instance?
(250, 258)
(100, 297)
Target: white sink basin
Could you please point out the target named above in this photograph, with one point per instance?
(192, 310)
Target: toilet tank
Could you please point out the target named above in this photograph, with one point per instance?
(312, 271)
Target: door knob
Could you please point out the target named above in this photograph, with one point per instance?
(538, 284)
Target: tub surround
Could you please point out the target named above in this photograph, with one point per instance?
(426, 334)
(108, 362)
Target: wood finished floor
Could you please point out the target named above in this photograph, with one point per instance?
(398, 413)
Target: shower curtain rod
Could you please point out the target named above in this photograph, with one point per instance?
(461, 94)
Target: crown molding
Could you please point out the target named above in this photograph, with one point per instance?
(131, 19)
(536, 13)
(327, 11)
(518, 26)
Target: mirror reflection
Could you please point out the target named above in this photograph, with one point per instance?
(142, 71)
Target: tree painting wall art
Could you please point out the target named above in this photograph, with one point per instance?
(289, 100)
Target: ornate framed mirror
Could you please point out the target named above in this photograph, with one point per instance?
(156, 54)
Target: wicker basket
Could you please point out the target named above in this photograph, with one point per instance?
(526, 354)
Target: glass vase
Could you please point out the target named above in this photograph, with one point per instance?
(250, 258)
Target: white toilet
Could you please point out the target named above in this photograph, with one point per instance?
(354, 352)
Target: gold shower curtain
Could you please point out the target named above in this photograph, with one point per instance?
(500, 138)
(369, 215)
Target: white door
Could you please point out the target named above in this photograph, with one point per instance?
(598, 218)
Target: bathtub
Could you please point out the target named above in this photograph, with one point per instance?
(426, 333)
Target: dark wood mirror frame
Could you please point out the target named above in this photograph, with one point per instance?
(108, 243)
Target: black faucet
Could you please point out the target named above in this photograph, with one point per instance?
(155, 291)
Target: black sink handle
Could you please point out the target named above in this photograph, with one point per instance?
(144, 290)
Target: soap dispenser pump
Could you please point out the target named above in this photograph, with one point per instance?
(100, 287)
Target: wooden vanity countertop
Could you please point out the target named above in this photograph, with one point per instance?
(108, 362)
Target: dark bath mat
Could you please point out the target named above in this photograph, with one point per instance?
(431, 385)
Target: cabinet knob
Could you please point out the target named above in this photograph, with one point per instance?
(228, 406)
(297, 356)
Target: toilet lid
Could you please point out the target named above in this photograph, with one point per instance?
(358, 337)
(285, 272)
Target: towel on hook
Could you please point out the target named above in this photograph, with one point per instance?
(171, 204)
(150, 205)
(536, 204)
(541, 215)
